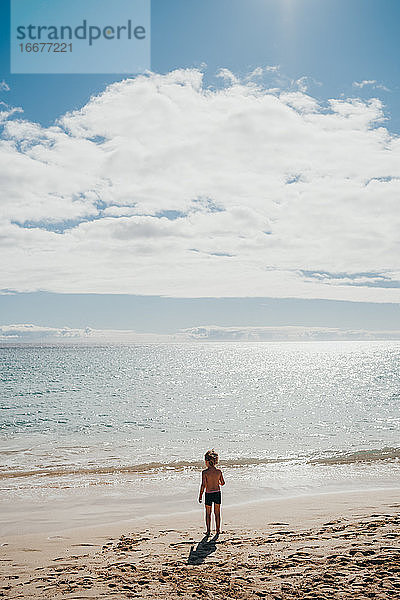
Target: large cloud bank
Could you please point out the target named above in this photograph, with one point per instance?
(161, 185)
(29, 333)
(214, 333)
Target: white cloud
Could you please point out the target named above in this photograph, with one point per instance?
(302, 84)
(28, 333)
(119, 211)
(35, 333)
(6, 112)
(361, 84)
(287, 334)
(4, 87)
(372, 83)
(227, 75)
(160, 185)
(257, 73)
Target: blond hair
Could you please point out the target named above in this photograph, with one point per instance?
(211, 457)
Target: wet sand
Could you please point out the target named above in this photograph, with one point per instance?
(328, 546)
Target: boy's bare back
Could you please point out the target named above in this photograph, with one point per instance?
(212, 479)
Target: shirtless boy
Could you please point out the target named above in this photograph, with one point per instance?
(211, 479)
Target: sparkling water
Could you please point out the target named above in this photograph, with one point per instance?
(128, 425)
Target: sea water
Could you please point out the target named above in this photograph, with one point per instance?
(119, 431)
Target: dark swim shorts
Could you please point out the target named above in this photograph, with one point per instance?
(211, 497)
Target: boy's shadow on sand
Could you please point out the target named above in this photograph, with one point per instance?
(205, 547)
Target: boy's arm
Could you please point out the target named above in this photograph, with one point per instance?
(221, 479)
(203, 485)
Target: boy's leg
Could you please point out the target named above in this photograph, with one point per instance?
(208, 518)
(217, 513)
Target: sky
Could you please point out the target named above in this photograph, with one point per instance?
(250, 179)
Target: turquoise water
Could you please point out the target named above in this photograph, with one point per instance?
(134, 421)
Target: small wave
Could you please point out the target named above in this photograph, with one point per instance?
(141, 468)
(360, 456)
(339, 458)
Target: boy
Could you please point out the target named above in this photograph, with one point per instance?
(211, 478)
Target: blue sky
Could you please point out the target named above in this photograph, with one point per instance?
(336, 42)
(309, 52)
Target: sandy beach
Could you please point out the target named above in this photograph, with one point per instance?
(342, 545)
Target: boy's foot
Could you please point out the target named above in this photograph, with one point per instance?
(207, 533)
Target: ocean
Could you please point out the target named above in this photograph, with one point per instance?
(116, 432)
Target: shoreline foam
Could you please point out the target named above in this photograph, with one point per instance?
(387, 454)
